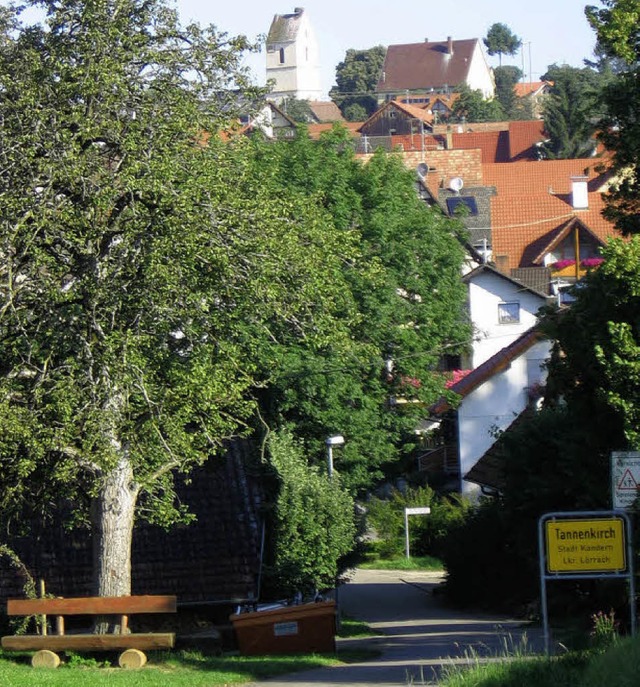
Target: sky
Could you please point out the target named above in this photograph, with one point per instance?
(552, 31)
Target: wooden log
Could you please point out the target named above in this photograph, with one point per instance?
(93, 605)
(90, 642)
(132, 658)
(45, 659)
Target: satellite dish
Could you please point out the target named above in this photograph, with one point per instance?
(456, 184)
(422, 169)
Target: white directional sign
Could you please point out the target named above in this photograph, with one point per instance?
(418, 510)
(625, 478)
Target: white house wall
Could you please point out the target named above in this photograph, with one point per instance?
(494, 405)
(480, 75)
(486, 291)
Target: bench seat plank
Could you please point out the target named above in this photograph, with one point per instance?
(90, 642)
(93, 605)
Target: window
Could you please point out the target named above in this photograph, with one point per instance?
(465, 204)
(281, 55)
(509, 313)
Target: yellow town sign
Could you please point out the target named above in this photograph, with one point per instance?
(584, 546)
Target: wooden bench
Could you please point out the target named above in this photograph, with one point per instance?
(133, 643)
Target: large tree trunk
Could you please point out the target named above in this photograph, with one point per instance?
(112, 518)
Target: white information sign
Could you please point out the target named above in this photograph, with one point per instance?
(625, 478)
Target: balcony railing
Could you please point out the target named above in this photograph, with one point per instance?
(442, 459)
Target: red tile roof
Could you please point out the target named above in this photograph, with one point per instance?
(523, 89)
(533, 204)
(496, 364)
(316, 129)
(326, 111)
(416, 142)
(494, 145)
(523, 135)
(418, 66)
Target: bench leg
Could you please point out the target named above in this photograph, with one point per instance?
(45, 659)
(132, 658)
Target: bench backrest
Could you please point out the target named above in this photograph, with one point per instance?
(93, 605)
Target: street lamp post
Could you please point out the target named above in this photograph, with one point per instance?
(335, 440)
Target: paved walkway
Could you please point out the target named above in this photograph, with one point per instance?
(420, 636)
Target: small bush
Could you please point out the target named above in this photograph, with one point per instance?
(427, 533)
(314, 523)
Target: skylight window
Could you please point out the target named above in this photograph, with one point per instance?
(464, 204)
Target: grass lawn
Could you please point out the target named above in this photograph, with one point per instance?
(427, 563)
(617, 666)
(164, 669)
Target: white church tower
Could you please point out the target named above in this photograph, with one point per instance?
(293, 58)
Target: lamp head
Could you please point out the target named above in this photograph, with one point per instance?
(335, 440)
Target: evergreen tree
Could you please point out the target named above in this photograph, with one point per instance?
(506, 79)
(500, 40)
(571, 111)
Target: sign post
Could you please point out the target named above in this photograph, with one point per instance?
(422, 510)
(584, 544)
(625, 478)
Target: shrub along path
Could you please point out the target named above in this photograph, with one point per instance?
(420, 633)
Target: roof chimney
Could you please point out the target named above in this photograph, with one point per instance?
(448, 138)
(449, 45)
(298, 10)
(579, 192)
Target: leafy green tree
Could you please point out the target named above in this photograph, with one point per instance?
(298, 110)
(471, 106)
(355, 112)
(314, 526)
(500, 40)
(617, 29)
(409, 297)
(356, 80)
(506, 79)
(616, 25)
(145, 272)
(571, 111)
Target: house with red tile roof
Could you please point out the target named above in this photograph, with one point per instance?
(547, 215)
(440, 105)
(325, 111)
(536, 91)
(416, 69)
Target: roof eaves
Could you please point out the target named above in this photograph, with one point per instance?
(489, 268)
(562, 234)
(497, 363)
